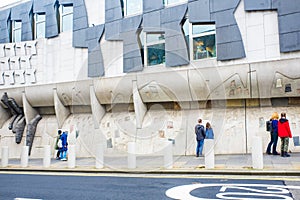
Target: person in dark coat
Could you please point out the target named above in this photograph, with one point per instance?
(284, 132)
(273, 134)
(56, 145)
(200, 135)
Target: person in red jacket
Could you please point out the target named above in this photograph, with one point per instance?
(284, 132)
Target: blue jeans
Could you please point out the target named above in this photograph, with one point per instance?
(274, 139)
(63, 154)
(199, 147)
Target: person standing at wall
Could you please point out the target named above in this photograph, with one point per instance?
(200, 135)
(273, 134)
(57, 145)
(284, 132)
(64, 138)
(209, 133)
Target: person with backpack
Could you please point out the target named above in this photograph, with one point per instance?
(200, 135)
(58, 145)
(274, 134)
(284, 132)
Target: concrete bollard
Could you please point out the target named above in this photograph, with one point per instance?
(4, 156)
(99, 157)
(257, 153)
(71, 156)
(47, 156)
(168, 155)
(209, 153)
(24, 156)
(131, 155)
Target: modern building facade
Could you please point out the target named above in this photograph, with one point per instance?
(117, 71)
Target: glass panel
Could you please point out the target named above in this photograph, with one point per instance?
(155, 37)
(40, 17)
(134, 7)
(40, 30)
(169, 2)
(156, 54)
(67, 9)
(197, 29)
(17, 24)
(186, 31)
(17, 35)
(67, 22)
(204, 47)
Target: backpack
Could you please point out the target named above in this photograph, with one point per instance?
(200, 132)
(269, 125)
(59, 143)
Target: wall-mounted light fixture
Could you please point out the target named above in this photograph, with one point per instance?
(278, 83)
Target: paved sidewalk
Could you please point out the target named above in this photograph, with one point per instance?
(224, 164)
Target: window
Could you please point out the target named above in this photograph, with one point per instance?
(133, 7)
(203, 41)
(172, 2)
(40, 25)
(16, 33)
(66, 17)
(154, 48)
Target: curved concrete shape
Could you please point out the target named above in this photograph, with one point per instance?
(40, 95)
(215, 83)
(270, 72)
(15, 93)
(29, 111)
(61, 111)
(140, 108)
(74, 93)
(98, 110)
(169, 85)
(114, 90)
(30, 132)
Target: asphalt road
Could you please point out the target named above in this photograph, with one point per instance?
(79, 187)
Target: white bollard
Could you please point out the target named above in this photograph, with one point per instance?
(4, 156)
(47, 156)
(71, 156)
(99, 157)
(168, 155)
(131, 155)
(257, 153)
(209, 153)
(24, 156)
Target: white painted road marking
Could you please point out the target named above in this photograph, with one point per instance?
(266, 192)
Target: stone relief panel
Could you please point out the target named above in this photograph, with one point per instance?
(284, 85)
(15, 66)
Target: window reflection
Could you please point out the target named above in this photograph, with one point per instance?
(40, 25)
(170, 2)
(66, 18)
(155, 48)
(16, 31)
(204, 43)
(133, 7)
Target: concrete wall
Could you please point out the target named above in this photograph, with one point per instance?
(235, 95)
(233, 128)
